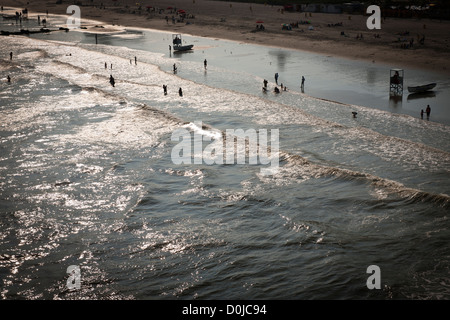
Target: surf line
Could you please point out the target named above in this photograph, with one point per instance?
(235, 146)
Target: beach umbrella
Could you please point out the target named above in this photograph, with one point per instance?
(181, 11)
(259, 21)
(169, 8)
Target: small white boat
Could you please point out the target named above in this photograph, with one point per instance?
(177, 44)
(423, 88)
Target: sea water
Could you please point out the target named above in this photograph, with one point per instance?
(87, 176)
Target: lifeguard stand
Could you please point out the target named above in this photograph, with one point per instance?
(396, 82)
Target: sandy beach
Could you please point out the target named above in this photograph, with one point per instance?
(237, 21)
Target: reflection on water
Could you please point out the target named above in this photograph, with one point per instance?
(371, 75)
(421, 95)
(395, 101)
(281, 56)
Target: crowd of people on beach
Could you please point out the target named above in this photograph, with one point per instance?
(283, 87)
(408, 43)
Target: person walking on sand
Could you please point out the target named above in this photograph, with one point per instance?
(10, 55)
(165, 89)
(9, 79)
(135, 60)
(180, 92)
(205, 63)
(106, 65)
(428, 111)
(174, 68)
(265, 83)
(112, 81)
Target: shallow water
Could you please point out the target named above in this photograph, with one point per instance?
(87, 176)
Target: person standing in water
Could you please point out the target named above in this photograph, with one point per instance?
(428, 111)
(276, 78)
(303, 82)
(165, 89)
(205, 63)
(9, 79)
(10, 55)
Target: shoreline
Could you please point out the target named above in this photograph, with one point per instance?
(238, 24)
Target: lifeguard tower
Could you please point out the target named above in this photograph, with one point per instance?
(396, 82)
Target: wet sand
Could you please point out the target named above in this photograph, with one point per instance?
(237, 21)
